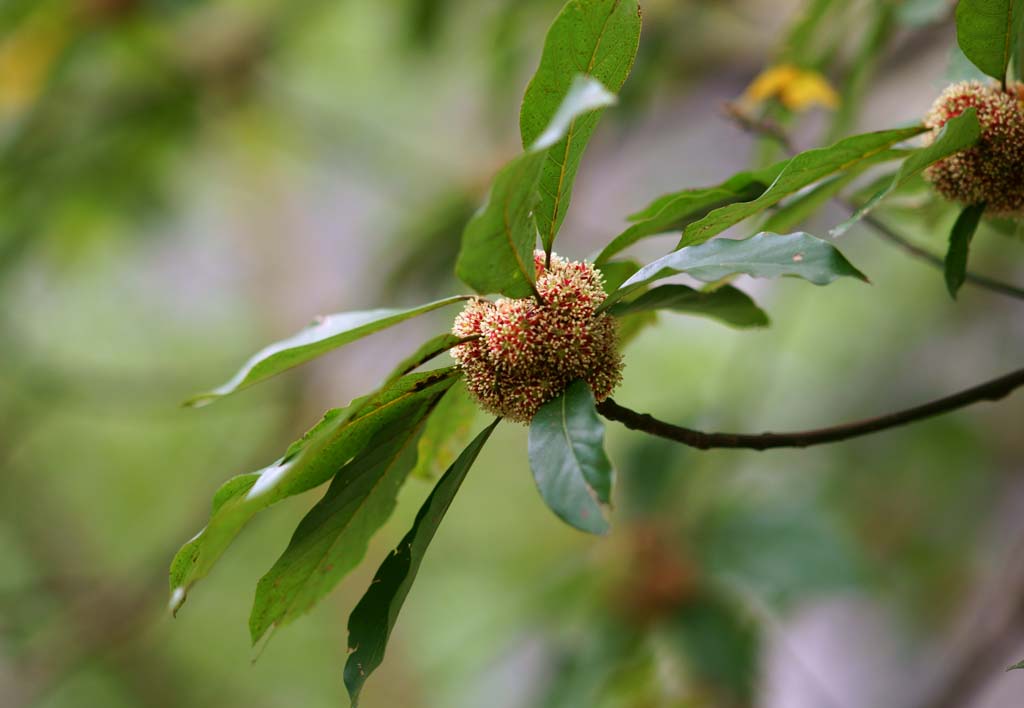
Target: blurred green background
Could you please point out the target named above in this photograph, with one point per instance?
(184, 181)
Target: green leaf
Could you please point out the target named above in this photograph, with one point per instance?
(1019, 665)
(371, 622)
(308, 463)
(326, 333)
(805, 203)
(498, 242)
(725, 304)
(801, 171)
(567, 457)
(430, 349)
(765, 255)
(672, 212)
(332, 538)
(985, 31)
(598, 38)
(956, 135)
(959, 242)
(616, 273)
(447, 430)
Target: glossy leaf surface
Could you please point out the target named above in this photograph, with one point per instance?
(326, 333)
(308, 463)
(598, 38)
(567, 457)
(801, 171)
(371, 622)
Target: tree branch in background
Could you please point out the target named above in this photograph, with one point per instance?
(774, 132)
(992, 390)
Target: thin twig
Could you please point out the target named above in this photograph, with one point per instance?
(989, 391)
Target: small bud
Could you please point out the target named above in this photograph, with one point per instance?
(528, 353)
(991, 171)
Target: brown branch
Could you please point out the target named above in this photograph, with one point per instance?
(990, 391)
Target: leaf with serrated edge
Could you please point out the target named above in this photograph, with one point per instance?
(801, 171)
(372, 620)
(567, 457)
(598, 38)
(765, 255)
(325, 334)
(956, 135)
(498, 242)
(308, 463)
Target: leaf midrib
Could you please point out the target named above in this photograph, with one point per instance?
(552, 228)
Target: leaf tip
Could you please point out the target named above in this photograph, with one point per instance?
(178, 596)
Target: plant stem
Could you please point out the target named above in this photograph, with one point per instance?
(992, 390)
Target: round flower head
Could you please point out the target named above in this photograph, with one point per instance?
(526, 353)
(991, 171)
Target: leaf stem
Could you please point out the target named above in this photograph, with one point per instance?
(993, 390)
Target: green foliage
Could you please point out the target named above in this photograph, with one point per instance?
(672, 212)
(308, 463)
(568, 460)
(1019, 665)
(956, 135)
(598, 38)
(497, 245)
(985, 31)
(959, 242)
(801, 171)
(725, 303)
(417, 422)
(332, 539)
(447, 430)
(765, 255)
(325, 334)
(374, 617)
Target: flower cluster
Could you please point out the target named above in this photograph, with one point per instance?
(527, 352)
(992, 171)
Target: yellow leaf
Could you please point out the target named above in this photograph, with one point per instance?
(26, 58)
(795, 88)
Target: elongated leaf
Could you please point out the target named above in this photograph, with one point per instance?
(672, 212)
(446, 432)
(332, 538)
(326, 333)
(430, 349)
(616, 273)
(959, 242)
(1018, 665)
(956, 135)
(985, 31)
(804, 204)
(498, 242)
(725, 304)
(765, 255)
(308, 463)
(801, 171)
(598, 38)
(372, 620)
(566, 450)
